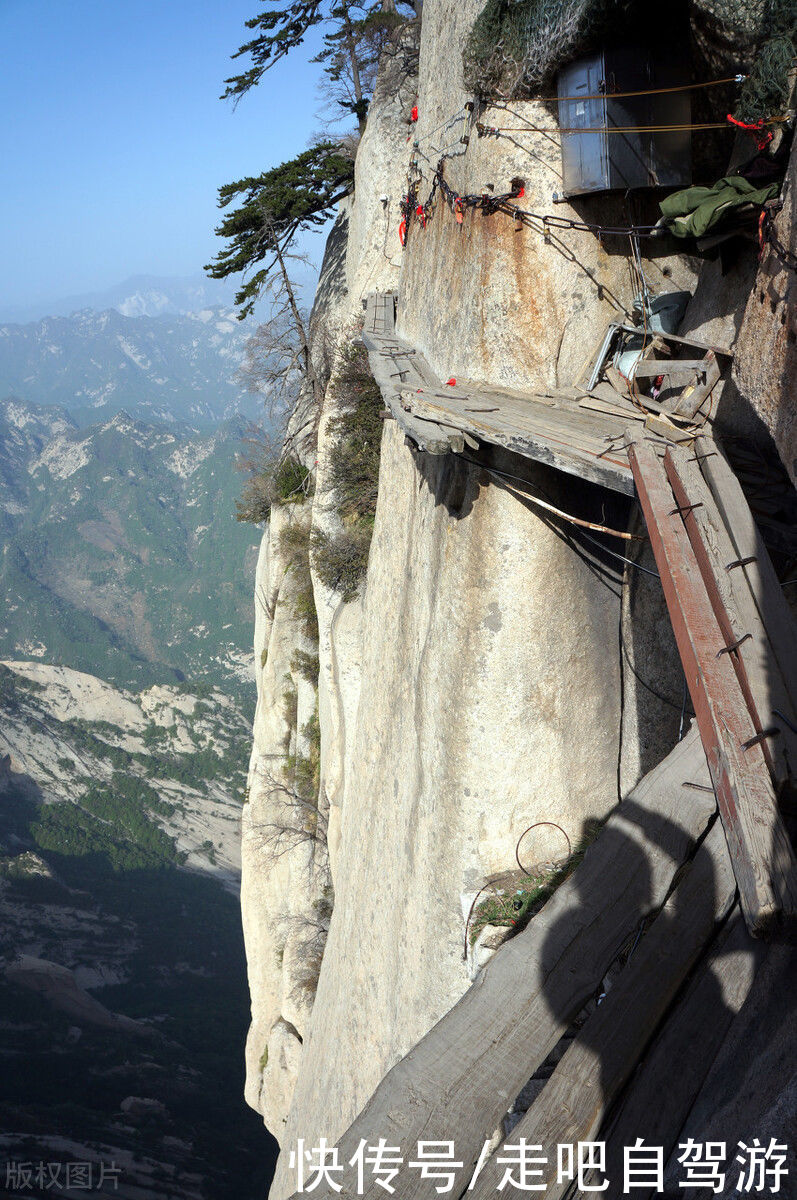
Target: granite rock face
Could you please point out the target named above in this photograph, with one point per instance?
(765, 361)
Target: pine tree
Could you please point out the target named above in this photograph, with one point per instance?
(357, 29)
(297, 194)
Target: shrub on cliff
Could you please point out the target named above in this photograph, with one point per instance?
(271, 481)
(294, 544)
(340, 559)
(354, 457)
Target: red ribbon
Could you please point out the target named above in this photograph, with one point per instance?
(762, 139)
(414, 113)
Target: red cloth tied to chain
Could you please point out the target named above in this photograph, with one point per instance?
(414, 113)
(762, 137)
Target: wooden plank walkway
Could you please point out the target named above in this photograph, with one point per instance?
(461, 1078)
(601, 1059)
(553, 428)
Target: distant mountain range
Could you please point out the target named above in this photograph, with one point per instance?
(121, 555)
(150, 296)
(126, 696)
(138, 296)
(165, 368)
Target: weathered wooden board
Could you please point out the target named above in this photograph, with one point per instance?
(760, 849)
(601, 1059)
(552, 429)
(693, 397)
(460, 1079)
(597, 404)
(760, 678)
(570, 439)
(427, 435)
(658, 1099)
(669, 366)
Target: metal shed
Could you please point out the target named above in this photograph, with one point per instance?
(599, 160)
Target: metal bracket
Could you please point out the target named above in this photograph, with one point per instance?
(734, 645)
(740, 562)
(772, 731)
(684, 508)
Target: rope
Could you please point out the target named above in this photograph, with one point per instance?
(495, 130)
(588, 537)
(686, 87)
(630, 537)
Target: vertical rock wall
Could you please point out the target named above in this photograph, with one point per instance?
(487, 300)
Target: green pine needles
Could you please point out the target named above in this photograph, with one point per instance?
(297, 194)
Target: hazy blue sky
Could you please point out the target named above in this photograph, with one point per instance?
(114, 141)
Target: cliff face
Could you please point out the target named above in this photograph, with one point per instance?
(493, 673)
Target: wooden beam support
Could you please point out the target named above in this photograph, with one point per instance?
(765, 691)
(759, 573)
(760, 849)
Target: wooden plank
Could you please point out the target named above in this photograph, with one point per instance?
(662, 426)
(759, 573)
(627, 412)
(696, 343)
(669, 366)
(758, 671)
(428, 436)
(600, 1060)
(461, 1078)
(658, 1100)
(535, 437)
(569, 430)
(546, 428)
(694, 396)
(760, 849)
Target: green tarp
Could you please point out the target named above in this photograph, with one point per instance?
(695, 210)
